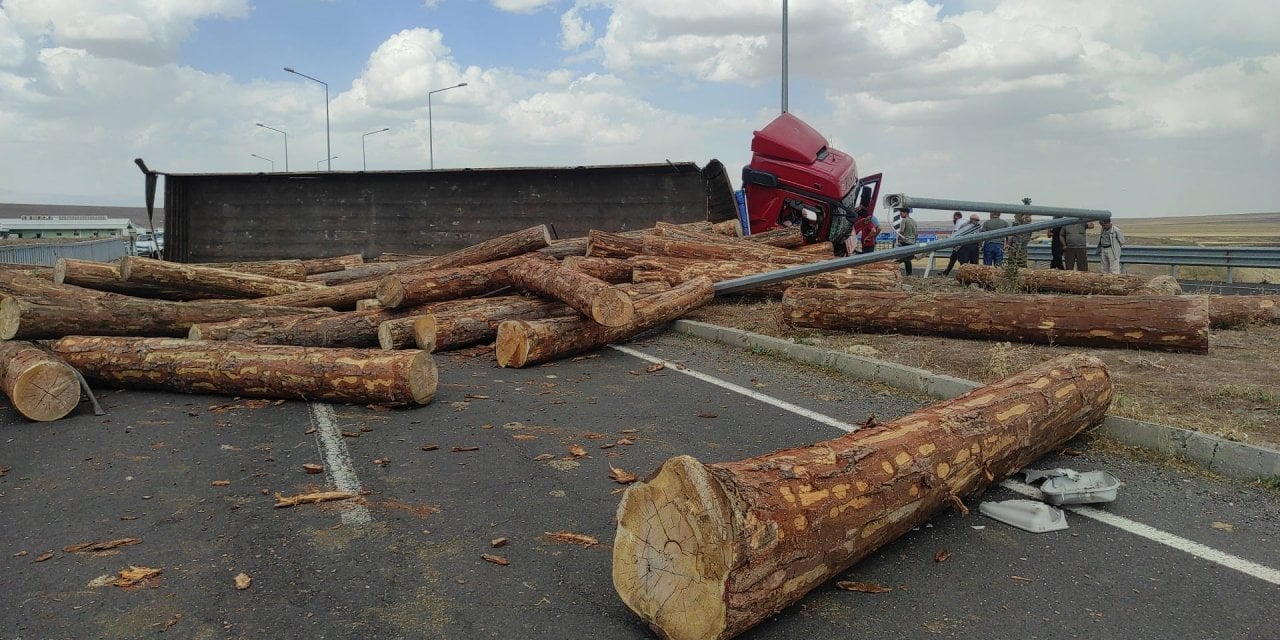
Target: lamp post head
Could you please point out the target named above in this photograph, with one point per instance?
(289, 70)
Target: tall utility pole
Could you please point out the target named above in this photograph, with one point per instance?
(784, 56)
(327, 150)
(431, 143)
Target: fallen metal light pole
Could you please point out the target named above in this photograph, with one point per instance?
(1063, 217)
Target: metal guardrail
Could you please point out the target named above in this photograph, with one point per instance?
(104, 250)
(1174, 257)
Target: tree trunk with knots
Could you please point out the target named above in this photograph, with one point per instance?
(222, 282)
(1054, 280)
(39, 385)
(594, 298)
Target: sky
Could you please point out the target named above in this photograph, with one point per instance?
(1142, 107)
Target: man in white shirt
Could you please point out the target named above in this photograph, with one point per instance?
(1109, 244)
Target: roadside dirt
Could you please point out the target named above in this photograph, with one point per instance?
(1231, 392)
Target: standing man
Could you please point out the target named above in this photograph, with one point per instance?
(1055, 248)
(866, 228)
(1109, 245)
(1075, 248)
(907, 234)
(958, 222)
(993, 250)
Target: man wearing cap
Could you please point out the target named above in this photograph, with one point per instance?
(907, 234)
(1109, 244)
(968, 254)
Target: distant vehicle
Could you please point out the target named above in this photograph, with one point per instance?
(145, 245)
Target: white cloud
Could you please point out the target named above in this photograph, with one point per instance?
(574, 31)
(13, 49)
(522, 6)
(146, 32)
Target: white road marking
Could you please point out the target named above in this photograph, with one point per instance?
(1196, 549)
(1262, 572)
(755, 395)
(337, 461)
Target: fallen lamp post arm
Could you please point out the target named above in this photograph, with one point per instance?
(1065, 217)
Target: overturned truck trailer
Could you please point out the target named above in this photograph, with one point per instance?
(225, 217)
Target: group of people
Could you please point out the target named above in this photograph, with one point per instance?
(1068, 244)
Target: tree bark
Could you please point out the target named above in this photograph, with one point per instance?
(453, 326)
(209, 279)
(38, 384)
(368, 272)
(339, 296)
(264, 371)
(505, 246)
(593, 298)
(1168, 323)
(877, 276)
(731, 227)
(284, 269)
(368, 304)
(346, 329)
(785, 237)
(755, 247)
(566, 247)
(26, 319)
(524, 342)
(333, 263)
(1054, 280)
(743, 250)
(612, 270)
(434, 285)
(707, 551)
(105, 276)
(1226, 312)
(601, 244)
(15, 282)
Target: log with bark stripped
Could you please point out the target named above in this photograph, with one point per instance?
(1054, 280)
(1168, 323)
(594, 298)
(39, 385)
(524, 342)
(222, 282)
(105, 276)
(878, 276)
(612, 270)
(284, 269)
(27, 319)
(246, 369)
(1227, 312)
(707, 551)
(455, 325)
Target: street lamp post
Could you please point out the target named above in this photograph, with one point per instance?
(330, 160)
(273, 162)
(286, 143)
(328, 151)
(364, 162)
(430, 132)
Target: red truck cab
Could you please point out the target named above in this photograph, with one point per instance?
(796, 179)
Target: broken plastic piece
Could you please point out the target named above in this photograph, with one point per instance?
(1035, 475)
(1028, 515)
(1090, 486)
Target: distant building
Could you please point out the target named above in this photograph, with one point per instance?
(70, 227)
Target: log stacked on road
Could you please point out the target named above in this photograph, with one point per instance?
(207, 279)
(345, 329)
(332, 263)
(1169, 323)
(878, 276)
(1236, 311)
(39, 385)
(706, 551)
(1055, 280)
(457, 325)
(105, 276)
(283, 269)
(263, 371)
(594, 298)
(422, 285)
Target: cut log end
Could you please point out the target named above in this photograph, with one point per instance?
(390, 292)
(424, 332)
(612, 308)
(10, 317)
(423, 378)
(673, 552)
(47, 391)
(512, 344)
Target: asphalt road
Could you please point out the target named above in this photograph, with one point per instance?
(406, 563)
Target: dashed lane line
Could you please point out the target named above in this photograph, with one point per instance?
(337, 461)
(1262, 572)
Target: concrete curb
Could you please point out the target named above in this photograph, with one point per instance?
(1232, 459)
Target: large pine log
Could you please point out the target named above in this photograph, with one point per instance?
(283, 269)
(524, 342)
(416, 287)
(1170, 323)
(707, 551)
(566, 247)
(16, 282)
(246, 369)
(601, 244)
(612, 270)
(742, 250)
(27, 319)
(38, 384)
(505, 246)
(745, 249)
(785, 237)
(731, 227)
(340, 296)
(453, 326)
(592, 297)
(368, 272)
(222, 282)
(105, 276)
(878, 276)
(1054, 280)
(333, 263)
(1227, 312)
(345, 329)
